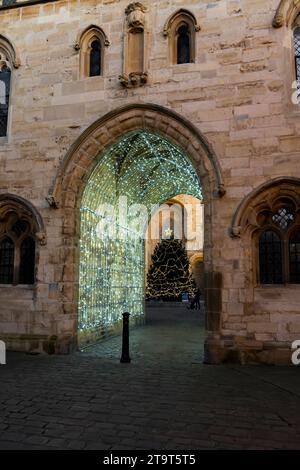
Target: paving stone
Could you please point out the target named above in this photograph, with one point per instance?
(160, 401)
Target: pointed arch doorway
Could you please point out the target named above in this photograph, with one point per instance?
(138, 173)
(100, 141)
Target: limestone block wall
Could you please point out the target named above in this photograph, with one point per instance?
(237, 94)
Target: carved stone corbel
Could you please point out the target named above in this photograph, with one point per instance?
(286, 13)
(135, 13)
(133, 80)
(278, 19)
(235, 232)
(53, 203)
(41, 238)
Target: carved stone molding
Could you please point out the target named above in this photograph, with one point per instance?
(177, 16)
(11, 203)
(133, 80)
(81, 156)
(135, 47)
(92, 29)
(53, 203)
(265, 199)
(286, 13)
(135, 14)
(8, 53)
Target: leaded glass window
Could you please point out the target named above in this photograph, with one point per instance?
(17, 249)
(294, 257)
(270, 258)
(279, 245)
(183, 45)
(7, 256)
(27, 261)
(297, 51)
(95, 58)
(7, 3)
(284, 217)
(4, 99)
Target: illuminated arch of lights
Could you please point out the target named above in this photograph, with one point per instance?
(147, 169)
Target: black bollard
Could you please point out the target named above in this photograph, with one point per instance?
(125, 342)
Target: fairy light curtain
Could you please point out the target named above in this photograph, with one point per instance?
(146, 169)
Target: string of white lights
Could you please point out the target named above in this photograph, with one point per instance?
(148, 170)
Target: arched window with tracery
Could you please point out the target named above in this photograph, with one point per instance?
(92, 43)
(18, 235)
(279, 247)
(270, 217)
(181, 30)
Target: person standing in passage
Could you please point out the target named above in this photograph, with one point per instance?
(197, 299)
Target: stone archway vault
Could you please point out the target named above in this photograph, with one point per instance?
(80, 160)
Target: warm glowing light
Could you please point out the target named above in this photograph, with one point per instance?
(146, 169)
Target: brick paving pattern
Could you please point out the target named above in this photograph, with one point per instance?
(165, 399)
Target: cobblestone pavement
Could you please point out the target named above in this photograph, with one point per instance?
(165, 399)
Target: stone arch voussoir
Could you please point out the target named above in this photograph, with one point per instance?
(82, 156)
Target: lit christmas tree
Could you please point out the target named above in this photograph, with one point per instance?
(169, 275)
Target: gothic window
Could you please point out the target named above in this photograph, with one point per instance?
(279, 247)
(269, 216)
(181, 30)
(183, 45)
(17, 249)
(91, 44)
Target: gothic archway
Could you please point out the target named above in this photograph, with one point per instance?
(84, 155)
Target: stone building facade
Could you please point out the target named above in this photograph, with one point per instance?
(231, 109)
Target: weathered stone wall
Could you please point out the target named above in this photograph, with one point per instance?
(237, 93)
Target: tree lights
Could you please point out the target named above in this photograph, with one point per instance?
(169, 275)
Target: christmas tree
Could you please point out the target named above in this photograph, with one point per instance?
(169, 275)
